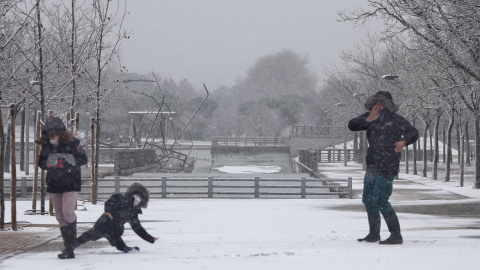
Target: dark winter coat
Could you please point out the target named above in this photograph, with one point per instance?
(122, 209)
(382, 134)
(64, 174)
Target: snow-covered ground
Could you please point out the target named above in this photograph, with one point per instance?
(269, 234)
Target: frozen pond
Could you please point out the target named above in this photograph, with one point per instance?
(244, 163)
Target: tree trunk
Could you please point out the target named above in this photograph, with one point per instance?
(6, 164)
(13, 173)
(477, 152)
(436, 153)
(425, 159)
(449, 147)
(22, 141)
(431, 143)
(2, 176)
(459, 160)
(444, 145)
(415, 172)
(467, 141)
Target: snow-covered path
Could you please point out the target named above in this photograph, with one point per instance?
(267, 234)
(276, 234)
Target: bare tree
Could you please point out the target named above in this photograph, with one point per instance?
(450, 29)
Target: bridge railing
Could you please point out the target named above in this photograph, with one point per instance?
(250, 141)
(210, 187)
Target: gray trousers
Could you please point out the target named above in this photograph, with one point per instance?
(64, 205)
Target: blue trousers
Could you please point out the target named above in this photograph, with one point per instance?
(377, 189)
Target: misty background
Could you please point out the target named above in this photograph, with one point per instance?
(215, 42)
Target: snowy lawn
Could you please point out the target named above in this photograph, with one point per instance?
(272, 234)
(263, 234)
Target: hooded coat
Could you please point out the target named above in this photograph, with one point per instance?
(65, 174)
(382, 134)
(123, 210)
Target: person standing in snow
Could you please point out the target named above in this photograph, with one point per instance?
(61, 155)
(120, 209)
(387, 134)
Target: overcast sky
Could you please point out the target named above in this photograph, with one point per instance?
(216, 41)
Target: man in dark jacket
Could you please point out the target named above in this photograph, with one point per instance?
(387, 134)
(120, 209)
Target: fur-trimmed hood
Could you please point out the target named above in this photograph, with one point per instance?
(383, 97)
(139, 189)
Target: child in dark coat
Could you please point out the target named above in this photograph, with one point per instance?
(120, 209)
(62, 156)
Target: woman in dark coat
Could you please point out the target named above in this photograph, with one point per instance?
(120, 209)
(387, 134)
(61, 156)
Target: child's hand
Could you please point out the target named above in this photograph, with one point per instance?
(109, 215)
(155, 239)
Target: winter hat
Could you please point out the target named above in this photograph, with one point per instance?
(139, 189)
(53, 123)
(383, 97)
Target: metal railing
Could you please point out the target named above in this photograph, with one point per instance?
(211, 187)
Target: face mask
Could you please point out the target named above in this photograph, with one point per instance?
(136, 200)
(382, 113)
(54, 142)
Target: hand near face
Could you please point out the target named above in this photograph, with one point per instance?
(374, 112)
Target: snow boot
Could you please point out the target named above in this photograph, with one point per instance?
(69, 235)
(64, 250)
(128, 249)
(374, 235)
(394, 227)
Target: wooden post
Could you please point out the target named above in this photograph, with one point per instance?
(164, 187)
(210, 187)
(13, 170)
(257, 187)
(37, 158)
(303, 187)
(350, 191)
(117, 184)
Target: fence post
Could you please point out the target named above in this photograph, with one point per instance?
(164, 187)
(117, 184)
(350, 193)
(210, 187)
(257, 187)
(330, 155)
(303, 191)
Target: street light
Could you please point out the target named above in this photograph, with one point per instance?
(389, 77)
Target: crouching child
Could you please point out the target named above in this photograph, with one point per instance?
(120, 209)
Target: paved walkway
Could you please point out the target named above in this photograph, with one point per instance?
(408, 197)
